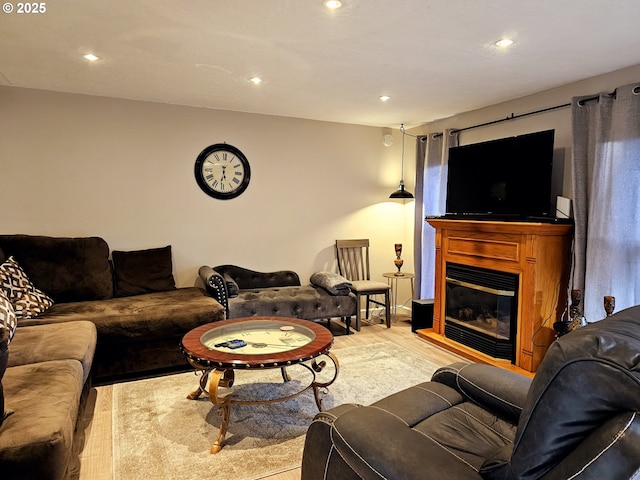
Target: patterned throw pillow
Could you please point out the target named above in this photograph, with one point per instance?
(8, 318)
(27, 300)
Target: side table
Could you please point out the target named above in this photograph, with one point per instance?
(392, 280)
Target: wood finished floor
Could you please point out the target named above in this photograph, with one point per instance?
(97, 455)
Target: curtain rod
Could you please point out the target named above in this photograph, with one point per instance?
(512, 116)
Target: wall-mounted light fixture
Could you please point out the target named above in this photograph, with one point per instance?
(401, 192)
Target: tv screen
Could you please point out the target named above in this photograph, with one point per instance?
(508, 178)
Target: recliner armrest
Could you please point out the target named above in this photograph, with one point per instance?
(606, 453)
(500, 391)
(448, 374)
(216, 286)
(609, 452)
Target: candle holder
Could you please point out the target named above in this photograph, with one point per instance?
(609, 304)
(577, 320)
(398, 261)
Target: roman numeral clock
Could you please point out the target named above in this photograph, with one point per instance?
(222, 171)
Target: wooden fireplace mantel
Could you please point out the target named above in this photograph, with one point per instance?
(538, 253)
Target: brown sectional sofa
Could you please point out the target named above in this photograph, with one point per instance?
(139, 314)
(113, 318)
(45, 386)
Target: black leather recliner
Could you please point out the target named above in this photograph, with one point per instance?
(579, 418)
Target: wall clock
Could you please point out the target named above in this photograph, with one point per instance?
(222, 171)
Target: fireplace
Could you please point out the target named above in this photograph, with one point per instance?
(481, 309)
(536, 255)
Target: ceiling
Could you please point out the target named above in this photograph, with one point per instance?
(434, 58)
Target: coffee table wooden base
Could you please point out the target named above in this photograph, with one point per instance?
(224, 378)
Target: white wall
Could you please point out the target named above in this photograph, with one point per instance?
(559, 119)
(74, 165)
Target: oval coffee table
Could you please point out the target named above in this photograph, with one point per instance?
(220, 348)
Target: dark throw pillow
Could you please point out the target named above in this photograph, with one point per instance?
(232, 286)
(68, 269)
(143, 271)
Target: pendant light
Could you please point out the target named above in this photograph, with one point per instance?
(401, 192)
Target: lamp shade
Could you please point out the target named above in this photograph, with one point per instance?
(401, 192)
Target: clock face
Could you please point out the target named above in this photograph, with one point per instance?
(258, 338)
(222, 171)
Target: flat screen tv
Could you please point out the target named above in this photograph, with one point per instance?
(509, 178)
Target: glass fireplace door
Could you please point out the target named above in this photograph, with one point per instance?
(481, 309)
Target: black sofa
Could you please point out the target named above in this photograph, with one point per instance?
(579, 418)
(248, 293)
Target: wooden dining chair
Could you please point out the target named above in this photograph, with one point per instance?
(353, 264)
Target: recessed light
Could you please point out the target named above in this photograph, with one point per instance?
(504, 42)
(332, 4)
(255, 80)
(91, 57)
(384, 98)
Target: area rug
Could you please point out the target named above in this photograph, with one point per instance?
(158, 433)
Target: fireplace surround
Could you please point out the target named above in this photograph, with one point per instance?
(536, 254)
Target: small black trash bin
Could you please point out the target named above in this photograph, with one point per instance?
(421, 314)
